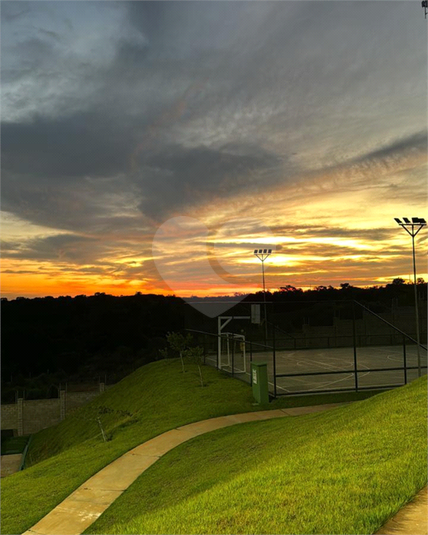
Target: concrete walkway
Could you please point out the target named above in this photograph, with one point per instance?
(79, 510)
(412, 519)
(90, 500)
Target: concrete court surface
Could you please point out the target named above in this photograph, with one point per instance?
(331, 359)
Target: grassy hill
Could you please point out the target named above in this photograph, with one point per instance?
(157, 397)
(344, 471)
(154, 399)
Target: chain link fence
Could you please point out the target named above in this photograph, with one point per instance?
(316, 346)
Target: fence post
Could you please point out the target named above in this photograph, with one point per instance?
(274, 360)
(354, 333)
(20, 417)
(405, 360)
(251, 360)
(233, 356)
(219, 343)
(62, 405)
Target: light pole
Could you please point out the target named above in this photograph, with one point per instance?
(262, 255)
(412, 228)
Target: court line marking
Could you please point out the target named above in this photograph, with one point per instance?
(214, 359)
(291, 357)
(325, 366)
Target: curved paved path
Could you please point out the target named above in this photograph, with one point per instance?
(412, 519)
(79, 510)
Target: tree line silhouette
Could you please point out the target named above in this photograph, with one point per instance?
(47, 341)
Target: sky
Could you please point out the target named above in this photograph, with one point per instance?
(152, 146)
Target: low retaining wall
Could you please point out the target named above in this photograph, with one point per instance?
(29, 416)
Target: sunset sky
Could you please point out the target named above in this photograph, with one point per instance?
(151, 146)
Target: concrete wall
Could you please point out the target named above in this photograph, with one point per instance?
(9, 416)
(38, 414)
(30, 416)
(75, 400)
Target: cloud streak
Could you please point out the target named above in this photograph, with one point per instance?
(307, 116)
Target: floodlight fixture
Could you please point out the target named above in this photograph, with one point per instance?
(412, 229)
(414, 226)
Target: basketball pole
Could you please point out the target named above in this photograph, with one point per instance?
(222, 321)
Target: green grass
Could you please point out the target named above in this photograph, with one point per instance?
(12, 445)
(321, 399)
(344, 471)
(152, 400)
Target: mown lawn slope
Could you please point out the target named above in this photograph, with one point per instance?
(154, 399)
(345, 471)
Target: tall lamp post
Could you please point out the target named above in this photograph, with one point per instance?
(412, 228)
(262, 255)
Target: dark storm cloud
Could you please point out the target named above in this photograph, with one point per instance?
(148, 17)
(130, 57)
(62, 153)
(202, 86)
(414, 142)
(68, 204)
(178, 177)
(14, 10)
(35, 51)
(64, 247)
(81, 145)
(375, 234)
(50, 34)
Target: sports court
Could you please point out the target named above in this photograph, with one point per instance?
(335, 364)
(354, 348)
